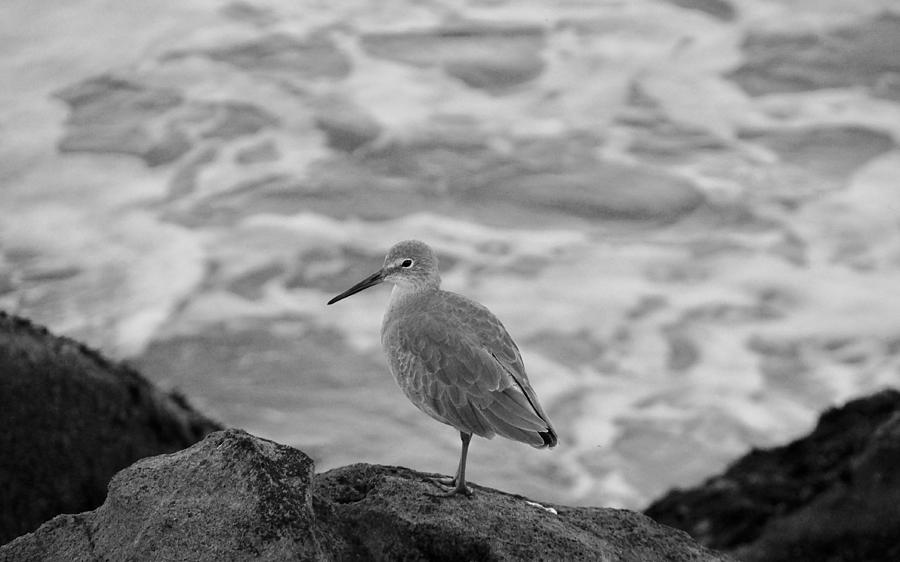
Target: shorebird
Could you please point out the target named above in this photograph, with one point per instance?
(453, 358)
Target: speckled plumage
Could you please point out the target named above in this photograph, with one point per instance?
(456, 362)
(452, 357)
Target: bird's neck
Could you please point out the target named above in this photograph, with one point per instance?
(404, 296)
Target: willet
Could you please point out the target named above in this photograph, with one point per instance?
(453, 358)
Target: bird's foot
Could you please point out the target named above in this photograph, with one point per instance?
(455, 488)
(445, 481)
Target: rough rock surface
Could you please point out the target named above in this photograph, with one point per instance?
(70, 420)
(237, 497)
(832, 495)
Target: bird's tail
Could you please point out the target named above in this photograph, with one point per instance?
(549, 437)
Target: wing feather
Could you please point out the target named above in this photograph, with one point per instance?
(458, 364)
(515, 413)
(504, 428)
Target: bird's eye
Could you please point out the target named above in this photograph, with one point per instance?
(406, 263)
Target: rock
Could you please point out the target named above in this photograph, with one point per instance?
(391, 513)
(238, 497)
(832, 495)
(860, 54)
(71, 419)
(487, 57)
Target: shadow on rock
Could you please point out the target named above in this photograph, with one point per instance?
(70, 420)
(830, 496)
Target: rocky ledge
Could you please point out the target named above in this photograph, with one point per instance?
(234, 496)
(69, 420)
(830, 496)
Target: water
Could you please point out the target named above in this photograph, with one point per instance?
(685, 213)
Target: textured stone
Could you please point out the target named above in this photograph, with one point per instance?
(71, 419)
(831, 495)
(237, 497)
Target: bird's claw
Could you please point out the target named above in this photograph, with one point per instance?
(444, 481)
(455, 489)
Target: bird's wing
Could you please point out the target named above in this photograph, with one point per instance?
(477, 320)
(450, 374)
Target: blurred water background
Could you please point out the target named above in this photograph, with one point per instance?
(686, 212)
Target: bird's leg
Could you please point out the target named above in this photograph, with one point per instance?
(459, 481)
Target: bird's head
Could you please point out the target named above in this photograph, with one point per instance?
(410, 264)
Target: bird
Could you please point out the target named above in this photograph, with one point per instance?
(453, 358)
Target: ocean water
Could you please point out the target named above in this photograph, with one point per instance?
(686, 213)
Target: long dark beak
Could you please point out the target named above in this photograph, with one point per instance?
(369, 281)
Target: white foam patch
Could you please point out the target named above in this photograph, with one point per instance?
(132, 273)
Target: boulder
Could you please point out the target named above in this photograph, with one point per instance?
(70, 420)
(832, 495)
(238, 497)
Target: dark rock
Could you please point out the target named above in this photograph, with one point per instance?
(71, 419)
(861, 54)
(237, 497)
(116, 116)
(492, 58)
(230, 497)
(830, 496)
(392, 513)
